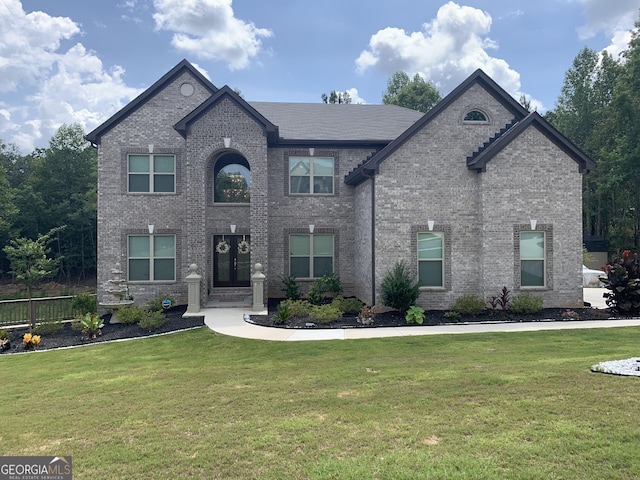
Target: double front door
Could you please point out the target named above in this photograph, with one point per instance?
(231, 260)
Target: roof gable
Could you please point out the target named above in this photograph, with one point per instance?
(184, 66)
(364, 170)
(270, 129)
(478, 161)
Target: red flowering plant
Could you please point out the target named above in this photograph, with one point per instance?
(623, 281)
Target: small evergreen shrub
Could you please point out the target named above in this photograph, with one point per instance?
(526, 303)
(283, 314)
(4, 334)
(47, 328)
(325, 313)
(399, 289)
(451, 315)
(152, 320)
(155, 305)
(130, 315)
(298, 308)
(349, 305)
(85, 303)
(623, 281)
(469, 305)
(322, 286)
(291, 287)
(415, 314)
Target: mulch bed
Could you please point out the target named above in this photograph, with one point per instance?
(433, 317)
(68, 337)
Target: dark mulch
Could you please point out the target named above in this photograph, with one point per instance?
(68, 337)
(433, 317)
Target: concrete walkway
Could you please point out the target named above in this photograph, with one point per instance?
(230, 321)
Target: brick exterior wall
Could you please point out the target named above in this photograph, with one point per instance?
(480, 214)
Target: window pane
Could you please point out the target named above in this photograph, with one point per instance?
(322, 184)
(299, 166)
(163, 269)
(430, 273)
(322, 266)
(163, 164)
(429, 245)
(138, 270)
(163, 183)
(139, 163)
(299, 267)
(532, 273)
(299, 245)
(532, 245)
(139, 246)
(138, 183)
(323, 166)
(299, 184)
(164, 246)
(323, 245)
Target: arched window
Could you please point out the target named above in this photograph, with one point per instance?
(231, 179)
(475, 116)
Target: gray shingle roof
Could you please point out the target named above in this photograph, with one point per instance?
(332, 122)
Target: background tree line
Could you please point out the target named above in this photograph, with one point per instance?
(52, 187)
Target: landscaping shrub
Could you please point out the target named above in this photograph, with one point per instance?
(399, 290)
(469, 305)
(325, 313)
(155, 305)
(130, 315)
(47, 328)
(623, 281)
(322, 286)
(502, 300)
(451, 315)
(298, 308)
(283, 314)
(85, 303)
(415, 314)
(526, 303)
(347, 305)
(90, 326)
(291, 287)
(152, 320)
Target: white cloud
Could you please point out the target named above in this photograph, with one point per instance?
(208, 29)
(446, 51)
(54, 86)
(614, 19)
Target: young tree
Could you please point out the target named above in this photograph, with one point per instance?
(416, 94)
(30, 263)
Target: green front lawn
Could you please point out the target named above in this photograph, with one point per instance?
(201, 405)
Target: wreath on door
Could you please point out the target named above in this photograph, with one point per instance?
(223, 247)
(244, 247)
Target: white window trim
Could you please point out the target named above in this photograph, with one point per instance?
(311, 256)
(441, 260)
(311, 175)
(543, 259)
(151, 174)
(151, 259)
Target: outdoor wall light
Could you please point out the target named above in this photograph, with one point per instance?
(233, 228)
(430, 224)
(533, 224)
(311, 227)
(150, 229)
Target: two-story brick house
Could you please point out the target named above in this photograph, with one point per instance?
(474, 195)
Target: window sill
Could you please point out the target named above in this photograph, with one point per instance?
(151, 282)
(432, 289)
(230, 204)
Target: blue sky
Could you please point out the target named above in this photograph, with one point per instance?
(75, 61)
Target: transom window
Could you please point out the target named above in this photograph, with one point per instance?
(430, 259)
(475, 116)
(311, 175)
(152, 258)
(152, 173)
(310, 256)
(532, 259)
